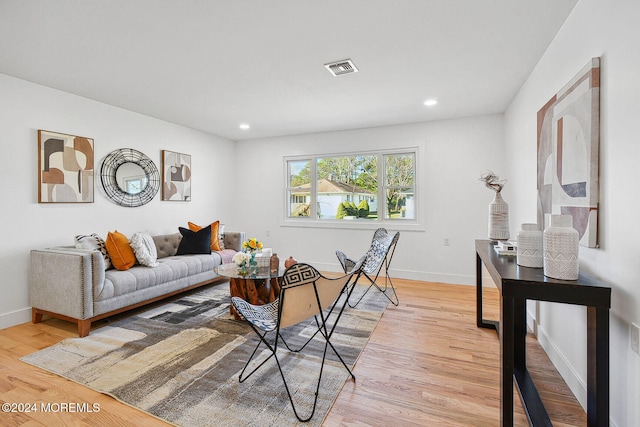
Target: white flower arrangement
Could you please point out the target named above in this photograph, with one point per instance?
(241, 258)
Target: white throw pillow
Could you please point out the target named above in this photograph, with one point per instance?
(145, 249)
(221, 236)
(95, 243)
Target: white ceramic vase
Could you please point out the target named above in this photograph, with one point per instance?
(529, 246)
(498, 218)
(560, 248)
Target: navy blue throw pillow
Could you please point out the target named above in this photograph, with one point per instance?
(195, 242)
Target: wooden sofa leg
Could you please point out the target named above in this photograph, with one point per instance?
(36, 316)
(83, 328)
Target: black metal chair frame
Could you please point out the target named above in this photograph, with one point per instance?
(323, 304)
(372, 263)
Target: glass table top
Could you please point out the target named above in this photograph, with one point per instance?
(231, 270)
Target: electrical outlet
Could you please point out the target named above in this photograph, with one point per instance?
(635, 338)
(268, 233)
(446, 241)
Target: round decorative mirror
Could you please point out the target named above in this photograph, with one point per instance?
(129, 177)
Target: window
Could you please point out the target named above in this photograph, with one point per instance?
(398, 185)
(299, 188)
(352, 187)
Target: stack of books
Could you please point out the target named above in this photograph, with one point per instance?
(505, 248)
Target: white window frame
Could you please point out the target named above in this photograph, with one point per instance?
(313, 222)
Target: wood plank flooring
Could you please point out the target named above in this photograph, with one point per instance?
(426, 364)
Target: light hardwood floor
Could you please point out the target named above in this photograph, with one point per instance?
(426, 364)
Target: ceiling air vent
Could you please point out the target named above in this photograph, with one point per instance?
(346, 66)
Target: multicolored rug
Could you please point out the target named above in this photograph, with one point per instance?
(180, 362)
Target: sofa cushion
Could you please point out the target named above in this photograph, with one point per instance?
(195, 242)
(167, 244)
(173, 272)
(122, 256)
(215, 234)
(145, 249)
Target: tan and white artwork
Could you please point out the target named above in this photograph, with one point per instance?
(568, 151)
(65, 168)
(176, 176)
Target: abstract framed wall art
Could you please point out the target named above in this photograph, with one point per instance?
(176, 176)
(568, 154)
(65, 168)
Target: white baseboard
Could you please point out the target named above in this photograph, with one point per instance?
(568, 373)
(453, 279)
(15, 318)
(570, 376)
(409, 275)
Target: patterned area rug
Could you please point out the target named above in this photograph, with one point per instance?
(180, 362)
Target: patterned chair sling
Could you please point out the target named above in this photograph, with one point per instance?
(377, 257)
(304, 294)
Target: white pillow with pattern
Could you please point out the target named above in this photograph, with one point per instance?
(96, 243)
(145, 249)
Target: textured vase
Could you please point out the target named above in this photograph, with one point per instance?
(498, 218)
(290, 261)
(560, 248)
(274, 264)
(529, 246)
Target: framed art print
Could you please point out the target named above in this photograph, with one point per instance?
(65, 168)
(568, 154)
(176, 176)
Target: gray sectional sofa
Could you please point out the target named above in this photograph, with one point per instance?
(73, 284)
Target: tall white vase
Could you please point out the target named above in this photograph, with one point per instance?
(529, 251)
(560, 248)
(498, 218)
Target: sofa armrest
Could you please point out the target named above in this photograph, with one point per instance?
(63, 280)
(233, 240)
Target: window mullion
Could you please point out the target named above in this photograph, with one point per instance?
(382, 185)
(313, 185)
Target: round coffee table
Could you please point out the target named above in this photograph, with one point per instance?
(256, 289)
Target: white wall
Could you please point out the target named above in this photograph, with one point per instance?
(452, 202)
(25, 108)
(609, 30)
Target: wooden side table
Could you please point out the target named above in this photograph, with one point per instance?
(257, 289)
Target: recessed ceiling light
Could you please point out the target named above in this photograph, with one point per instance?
(244, 126)
(430, 102)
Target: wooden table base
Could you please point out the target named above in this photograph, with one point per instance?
(254, 291)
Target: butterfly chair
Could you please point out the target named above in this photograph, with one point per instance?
(304, 294)
(379, 255)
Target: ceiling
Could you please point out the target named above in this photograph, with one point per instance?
(212, 65)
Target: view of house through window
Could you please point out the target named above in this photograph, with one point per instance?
(399, 185)
(367, 186)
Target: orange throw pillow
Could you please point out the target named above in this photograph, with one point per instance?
(120, 252)
(215, 244)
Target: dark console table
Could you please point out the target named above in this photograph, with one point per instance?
(518, 284)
